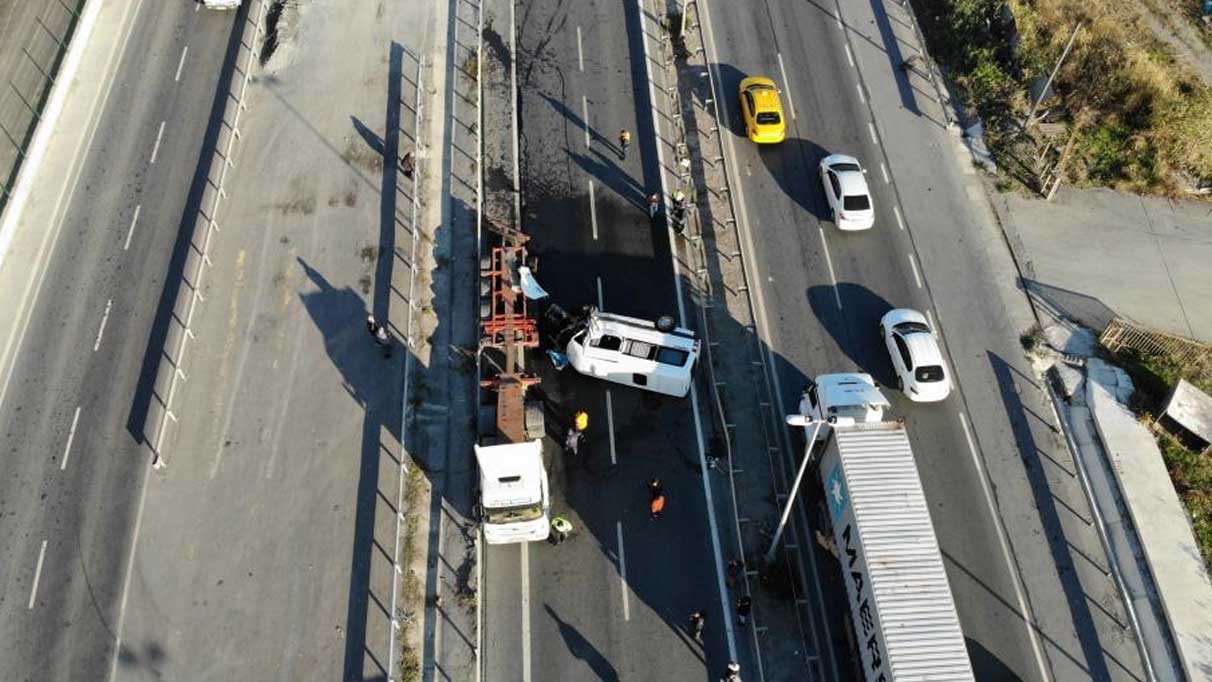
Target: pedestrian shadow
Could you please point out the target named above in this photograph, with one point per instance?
(583, 649)
(578, 121)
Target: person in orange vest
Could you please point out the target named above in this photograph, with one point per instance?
(656, 490)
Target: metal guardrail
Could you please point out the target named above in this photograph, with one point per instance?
(702, 289)
(1122, 334)
(28, 86)
(1098, 523)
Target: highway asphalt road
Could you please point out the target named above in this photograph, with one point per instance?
(612, 602)
(823, 292)
(74, 463)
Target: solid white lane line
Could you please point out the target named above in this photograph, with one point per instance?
(917, 276)
(623, 572)
(71, 435)
(156, 148)
(585, 117)
(1001, 538)
(839, 24)
(859, 87)
(593, 212)
(900, 222)
(131, 231)
(600, 305)
(525, 613)
(837, 296)
(580, 52)
(33, 590)
(180, 64)
(930, 318)
(874, 138)
(884, 170)
(787, 86)
(610, 426)
(101, 330)
(849, 55)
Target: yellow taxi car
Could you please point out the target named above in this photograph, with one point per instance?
(762, 110)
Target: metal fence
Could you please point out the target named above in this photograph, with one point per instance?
(29, 69)
(1121, 334)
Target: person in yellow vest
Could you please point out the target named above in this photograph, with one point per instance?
(561, 528)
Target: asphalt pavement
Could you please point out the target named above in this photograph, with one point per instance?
(1025, 567)
(612, 602)
(73, 452)
(269, 543)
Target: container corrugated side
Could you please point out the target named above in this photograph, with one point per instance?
(900, 598)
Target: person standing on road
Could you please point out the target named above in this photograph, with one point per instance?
(744, 606)
(572, 441)
(654, 206)
(734, 572)
(624, 142)
(656, 489)
(560, 529)
(580, 421)
(733, 673)
(697, 621)
(407, 165)
(379, 334)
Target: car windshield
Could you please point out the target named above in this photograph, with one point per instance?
(910, 327)
(525, 512)
(856, 202)
(843, 167)
(929, 373)
(768, 118)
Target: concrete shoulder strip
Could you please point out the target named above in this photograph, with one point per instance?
(42, 133)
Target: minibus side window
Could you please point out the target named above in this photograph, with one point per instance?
(672, 356)
(607, 342)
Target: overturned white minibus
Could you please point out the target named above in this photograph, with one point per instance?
(652, 356)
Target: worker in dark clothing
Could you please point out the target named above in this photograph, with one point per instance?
(379, 334)
(744, 606)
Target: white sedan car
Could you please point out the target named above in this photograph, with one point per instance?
(920, 372)
(845, 184)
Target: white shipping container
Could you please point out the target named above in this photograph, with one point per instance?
(900, 600)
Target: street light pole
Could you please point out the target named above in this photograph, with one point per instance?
(795, 487)
(1043, 91)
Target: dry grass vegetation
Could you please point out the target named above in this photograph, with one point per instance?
(1191, 472)
(1146, 120)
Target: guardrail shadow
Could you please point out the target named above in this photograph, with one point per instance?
(1049, 513)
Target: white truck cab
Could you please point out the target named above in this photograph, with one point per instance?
(654, 356)
(852, 398)
(513, 492)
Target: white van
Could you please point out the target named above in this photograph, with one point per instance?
(656, 357)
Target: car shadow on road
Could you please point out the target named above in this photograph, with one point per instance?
(855, 326)
(794, 164)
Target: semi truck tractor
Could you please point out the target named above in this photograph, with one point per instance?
(904, 618)
(514, 498)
